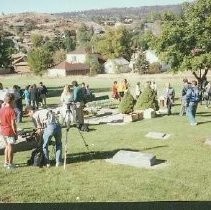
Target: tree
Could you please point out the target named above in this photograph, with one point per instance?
(127, 103)
(39, 59)
(6, 50)
(37, 40)
(84, 35)
(59, 56)
(185, 40)
(141, 64)
(94, 65)
(147, 100)
(69, 44)
(115, 43)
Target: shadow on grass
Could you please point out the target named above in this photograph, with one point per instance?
(149, 148)
(159, 161)
(200, 123)
(93, 155)
(101, 155)
(55, 91)
(100, 90)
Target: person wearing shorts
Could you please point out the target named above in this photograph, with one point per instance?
(8, 128)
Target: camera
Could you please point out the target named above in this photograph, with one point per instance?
(28, 135)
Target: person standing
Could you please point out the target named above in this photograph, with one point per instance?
(137, 90)
(169, 95)
(207, 94)
(183, 97)
(34, 96)
(8, 128)
(115, 93)
(192, 99)
(26, 95)
(78, 98)
(18, 103)
(43, 91)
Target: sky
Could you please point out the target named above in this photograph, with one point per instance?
(54, 6)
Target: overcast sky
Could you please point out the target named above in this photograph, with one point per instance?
(53, 6)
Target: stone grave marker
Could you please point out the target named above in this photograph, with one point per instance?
(131, 158)
(157, 135)
(149, 113)
(208, 141)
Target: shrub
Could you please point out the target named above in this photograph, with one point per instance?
(147, 100)
(127, 103)
(154, 68)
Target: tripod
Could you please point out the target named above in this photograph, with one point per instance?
(66, 136)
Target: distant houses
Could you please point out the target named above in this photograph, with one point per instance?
(65, 69)
(20, 64)
(118, 65)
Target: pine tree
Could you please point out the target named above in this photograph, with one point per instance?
(127, 103)
(147, 100)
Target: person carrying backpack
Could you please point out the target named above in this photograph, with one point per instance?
(192, 99)
(46, 120)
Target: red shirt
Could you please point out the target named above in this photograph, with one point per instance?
(7, 115)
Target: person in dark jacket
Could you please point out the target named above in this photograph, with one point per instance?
(192, 99)
(43, 91)
(34, 96)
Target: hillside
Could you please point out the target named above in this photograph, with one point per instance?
(131, 12)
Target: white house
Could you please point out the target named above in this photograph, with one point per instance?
(151, 57)
(117, 65)
(65, 68)
(76, 56)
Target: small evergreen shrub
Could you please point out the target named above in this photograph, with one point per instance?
(127, 103)
(147, 100)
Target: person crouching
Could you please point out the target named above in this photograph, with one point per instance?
(46, 120)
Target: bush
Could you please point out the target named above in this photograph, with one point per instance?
(154, 68)
(127, 103)
(147, 100)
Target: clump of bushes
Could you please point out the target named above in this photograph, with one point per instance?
(154, 68)
(147, 100)
(127, 103)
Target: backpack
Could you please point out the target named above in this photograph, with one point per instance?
(195, 95)
(37, 158)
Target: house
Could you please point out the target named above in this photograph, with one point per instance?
(151, 57)
(77, 56)
(65, 68)
(20, 63)
(117, 65)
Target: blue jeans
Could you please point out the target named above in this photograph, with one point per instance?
(191, 112)
(52, 130)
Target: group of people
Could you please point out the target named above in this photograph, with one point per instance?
(45, 121)
(191, 95)
(73, 99)
(118, 89)
(33, 95)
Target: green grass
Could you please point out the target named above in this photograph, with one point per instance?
(88, 177)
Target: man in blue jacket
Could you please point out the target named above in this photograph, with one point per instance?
(192, 99)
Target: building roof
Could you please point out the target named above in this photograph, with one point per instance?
(21, 64)
(118, 61)
(71, 66)
(78, 51)
(18, 55)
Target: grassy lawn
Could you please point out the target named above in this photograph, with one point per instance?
(88, 177)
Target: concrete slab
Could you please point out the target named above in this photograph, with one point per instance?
(131, 158)
(158, 135)
(208, 141)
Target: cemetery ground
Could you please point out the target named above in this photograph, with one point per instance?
(184, 176)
